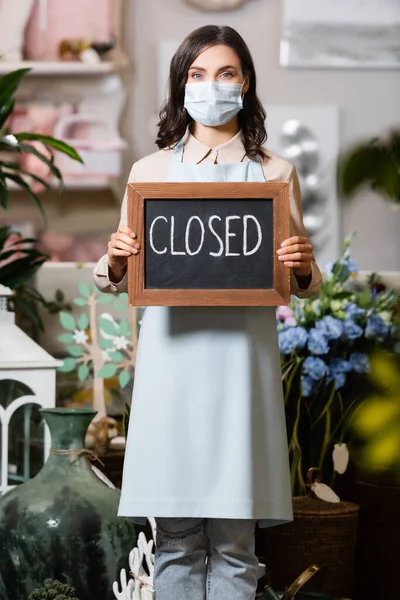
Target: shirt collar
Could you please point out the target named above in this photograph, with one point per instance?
(231, 151)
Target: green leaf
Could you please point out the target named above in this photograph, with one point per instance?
(52, 142)
(84, 289)
(75, 351)
(83, 322)
(3, 191)
(107, 326)
(116, 356)
(107, 371)
(105, 299)
(364, 298)
(124, 328)
(68, 366)
(80, 302)
(83, 372)
(24, 185)
(124, 378)
(49, 162)
(67, 321)
(106, 344)
(66, 338)
(9, 84)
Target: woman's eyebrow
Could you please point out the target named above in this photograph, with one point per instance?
(193, 67)
(196, 68)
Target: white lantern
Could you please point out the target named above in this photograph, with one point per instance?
(24, 362)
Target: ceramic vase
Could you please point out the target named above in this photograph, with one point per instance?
(14, 15)
(63, 524)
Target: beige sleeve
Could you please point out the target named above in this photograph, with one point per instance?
(101, 275)
(297, 228)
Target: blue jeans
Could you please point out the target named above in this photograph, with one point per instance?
(199, 559)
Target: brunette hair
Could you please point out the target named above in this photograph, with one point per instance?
(174, 119)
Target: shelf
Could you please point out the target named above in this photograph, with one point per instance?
(74, 183)
(60, 68)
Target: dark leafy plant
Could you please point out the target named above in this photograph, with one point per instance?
(53, 590)
(376, 164)
(19, 260)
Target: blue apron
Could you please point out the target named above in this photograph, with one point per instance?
(207, 435)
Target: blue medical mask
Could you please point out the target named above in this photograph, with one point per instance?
(212, 103)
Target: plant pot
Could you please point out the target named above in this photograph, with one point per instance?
(322, 533)
(63, 524)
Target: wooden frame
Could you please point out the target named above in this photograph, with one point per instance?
(138, 193)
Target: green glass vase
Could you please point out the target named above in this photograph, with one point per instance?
(63, 523)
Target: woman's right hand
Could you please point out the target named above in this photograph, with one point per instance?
(122, 244)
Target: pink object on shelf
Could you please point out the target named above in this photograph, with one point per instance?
(55, 20)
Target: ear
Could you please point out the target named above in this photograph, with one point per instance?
(246, 84)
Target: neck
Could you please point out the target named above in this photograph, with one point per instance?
(215, 136)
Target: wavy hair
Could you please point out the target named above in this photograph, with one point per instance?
(174, 118)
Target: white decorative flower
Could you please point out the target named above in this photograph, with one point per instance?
(80, 337)
(121, 342)
(105, 355)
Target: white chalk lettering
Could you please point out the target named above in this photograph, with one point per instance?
(221, 243)
(247, 252)
(173, 251)
(187, 232)
(228, 235)
(151, 235)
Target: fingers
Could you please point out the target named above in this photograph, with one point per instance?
(122, 243)
(297, 239)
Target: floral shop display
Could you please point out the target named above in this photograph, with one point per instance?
(325, 344)
(63, 524)
(27, 379)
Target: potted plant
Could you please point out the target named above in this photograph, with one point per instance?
(375, 163)
(53, 589)
(19, 259)
(325, 345)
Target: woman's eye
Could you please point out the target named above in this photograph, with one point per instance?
(226, 75)
(197, 75)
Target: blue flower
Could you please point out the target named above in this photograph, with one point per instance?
(332, 328)
(353, 311)
(292, 338)
(351, 330)
(345, 267)
(359, 362)
(317, 342)
(307, 386)
(376, 328)
(339, 365)
(314, 367)
(338, 376)
(352, 266)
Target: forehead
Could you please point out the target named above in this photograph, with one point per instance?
(218, 55)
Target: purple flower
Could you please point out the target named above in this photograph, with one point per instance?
(332, 328)
(376, 328)
(317, 342)
(351, 330)
(314, 367)
(291, 339)
(360, 362)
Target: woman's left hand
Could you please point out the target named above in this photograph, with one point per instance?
(297, 254)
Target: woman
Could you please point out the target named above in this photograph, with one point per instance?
(207, 450)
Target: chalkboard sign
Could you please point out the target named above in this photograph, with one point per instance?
(208, 244)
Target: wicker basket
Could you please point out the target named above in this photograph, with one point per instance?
(323, 533)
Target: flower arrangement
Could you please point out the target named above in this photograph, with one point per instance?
(325, 344)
